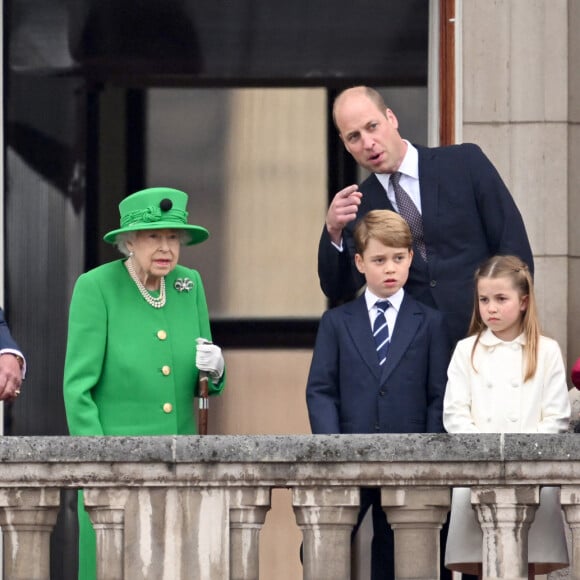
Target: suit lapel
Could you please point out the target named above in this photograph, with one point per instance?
(409, 319)
(358, 327)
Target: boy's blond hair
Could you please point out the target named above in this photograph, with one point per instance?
(385, 226)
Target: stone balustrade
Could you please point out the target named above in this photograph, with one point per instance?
(165, 507)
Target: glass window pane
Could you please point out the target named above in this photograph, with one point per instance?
(254, 164)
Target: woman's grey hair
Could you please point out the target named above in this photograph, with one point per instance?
(121, 241)
(124, 237)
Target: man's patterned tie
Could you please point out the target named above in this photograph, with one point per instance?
(411, 214)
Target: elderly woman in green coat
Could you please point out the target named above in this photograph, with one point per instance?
(139, 334)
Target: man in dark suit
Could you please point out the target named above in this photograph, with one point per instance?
(467, 212)
(12, 364)
(380, 362)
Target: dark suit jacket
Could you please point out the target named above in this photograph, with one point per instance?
(468, 216)
(347, 390)
(6, 340)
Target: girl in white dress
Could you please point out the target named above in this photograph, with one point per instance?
(506, 378)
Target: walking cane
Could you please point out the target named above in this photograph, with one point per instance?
(203, 402)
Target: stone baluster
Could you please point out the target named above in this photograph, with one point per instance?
(326, 517)
(505, 514)
(570, 500)
(27, 518)
(416, 515)
(106, 508)
(248, 509)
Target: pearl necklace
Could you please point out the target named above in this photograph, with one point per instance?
(158, 302)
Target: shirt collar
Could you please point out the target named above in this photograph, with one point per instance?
(396, 299)
(410, 164)
(488, 338)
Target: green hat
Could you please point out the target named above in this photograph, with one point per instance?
(156, 208)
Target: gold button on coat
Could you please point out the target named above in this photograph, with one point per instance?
(161, 335)
(168, 407)
(166, 370)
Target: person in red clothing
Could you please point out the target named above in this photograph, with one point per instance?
(575, 374)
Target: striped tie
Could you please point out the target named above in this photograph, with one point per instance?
(381, 331)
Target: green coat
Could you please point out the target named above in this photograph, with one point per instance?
(130, 368)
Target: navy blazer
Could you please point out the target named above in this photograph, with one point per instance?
(6, 340)
(468, 216)
(349, 392)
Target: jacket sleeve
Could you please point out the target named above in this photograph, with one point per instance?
(87, 331)
(457, 416)
(203, 314)
(555, 399)
(322, 388)
(501, 219)
(438, 361)
(8, 344)
(338, 277)
(6, 340)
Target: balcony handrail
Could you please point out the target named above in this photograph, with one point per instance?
(175, 491)
(292, 460)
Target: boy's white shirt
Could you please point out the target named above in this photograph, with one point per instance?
(391, 313)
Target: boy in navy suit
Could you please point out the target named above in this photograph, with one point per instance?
(394, 384)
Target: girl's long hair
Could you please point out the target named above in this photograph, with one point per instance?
(518, 272)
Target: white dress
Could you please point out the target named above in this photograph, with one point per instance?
(496, 400)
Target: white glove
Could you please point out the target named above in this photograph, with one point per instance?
(209, 358)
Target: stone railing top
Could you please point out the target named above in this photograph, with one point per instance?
(393, 448)
(293, 460)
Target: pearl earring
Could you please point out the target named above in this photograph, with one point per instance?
(131, 254)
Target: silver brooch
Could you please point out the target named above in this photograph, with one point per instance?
(183, 284)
